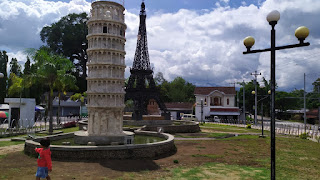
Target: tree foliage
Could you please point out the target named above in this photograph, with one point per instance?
(51, 69)
(68, 37)
(3, 81)
(179, 90)
(27, 67)
(15, 67)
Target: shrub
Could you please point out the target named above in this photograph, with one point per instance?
(248, 126)
(176, 161)
(249, 118)
(304, 136)
(70, 124)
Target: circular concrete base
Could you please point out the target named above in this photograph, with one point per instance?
(154, 150)
(82, 138)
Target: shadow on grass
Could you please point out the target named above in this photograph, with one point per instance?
(130, 165)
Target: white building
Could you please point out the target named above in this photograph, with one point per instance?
(21, 111)
(217, 101)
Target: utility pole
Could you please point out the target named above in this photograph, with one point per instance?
(255, 95)
(244, 99)
(304, 103)
(201, 111)
(244, 102)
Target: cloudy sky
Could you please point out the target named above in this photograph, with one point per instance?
(199, 40)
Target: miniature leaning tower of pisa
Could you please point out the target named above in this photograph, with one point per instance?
(106, 66)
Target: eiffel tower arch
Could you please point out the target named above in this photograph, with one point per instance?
(141, 86)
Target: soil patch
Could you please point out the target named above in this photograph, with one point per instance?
(189, 154)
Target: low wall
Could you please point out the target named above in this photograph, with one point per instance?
(189, 127)
(145, 117)
(131, 151)
(146, 122)
(167, 125)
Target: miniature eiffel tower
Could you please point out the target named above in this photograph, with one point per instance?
(141, 86)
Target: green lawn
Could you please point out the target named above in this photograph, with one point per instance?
(45, 133)
(227, 128)
(240, 157)
(295, 159)
(204, 135)
(10, 143)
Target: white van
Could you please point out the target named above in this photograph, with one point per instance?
(216, 119)
(189, 117)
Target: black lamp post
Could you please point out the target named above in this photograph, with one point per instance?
(264, 97)
(301, 33)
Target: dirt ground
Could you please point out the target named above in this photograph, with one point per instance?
(16, 165)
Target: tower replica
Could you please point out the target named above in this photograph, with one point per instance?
(141, 86)
(106, 66)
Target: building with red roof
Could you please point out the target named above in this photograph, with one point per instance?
(216, 101)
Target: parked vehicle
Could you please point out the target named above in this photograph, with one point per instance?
(216, 119)
(189, 117)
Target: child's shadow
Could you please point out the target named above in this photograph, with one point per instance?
(130, 165)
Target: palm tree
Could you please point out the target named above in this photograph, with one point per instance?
(50, 68)
(63, 83)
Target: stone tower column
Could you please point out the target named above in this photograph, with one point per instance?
(106, 66)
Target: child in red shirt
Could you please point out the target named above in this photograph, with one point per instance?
(44, 160)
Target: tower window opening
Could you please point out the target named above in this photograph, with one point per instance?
(105, 29)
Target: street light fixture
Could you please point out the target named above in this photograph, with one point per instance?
(1, 75)
(301, 33)
(264, 97)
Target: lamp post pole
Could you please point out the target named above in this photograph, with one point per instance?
(262, 120)
(301, 33)
(255, 97)
(273, 93)
(201, 110)
(244, 100)
(265, 96)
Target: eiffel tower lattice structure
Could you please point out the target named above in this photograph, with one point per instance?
(141, 86)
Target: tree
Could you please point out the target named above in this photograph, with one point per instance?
(68, 37)
(15, 67)
(27, 67)
(159, 79)
(63, 83)
(3, 81)
(17, 86)
(50, 67)
(179, 90)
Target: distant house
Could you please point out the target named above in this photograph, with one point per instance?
(67, 107)
(217, 101)
(313, 116)
(177, 109)
(153, 107)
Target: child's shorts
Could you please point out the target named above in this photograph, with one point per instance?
(42, 172)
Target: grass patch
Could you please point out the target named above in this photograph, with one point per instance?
(220, 171)
(10, 143)
(3, 156)
(213, 156)
(45, 133)
(228, 128)
(204, 135)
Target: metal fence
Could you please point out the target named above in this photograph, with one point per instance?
(30, 127)
(313, 131)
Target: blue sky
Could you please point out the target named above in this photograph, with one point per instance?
(199, 40)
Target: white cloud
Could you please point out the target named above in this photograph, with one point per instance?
(207, 47)
(204, 47)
